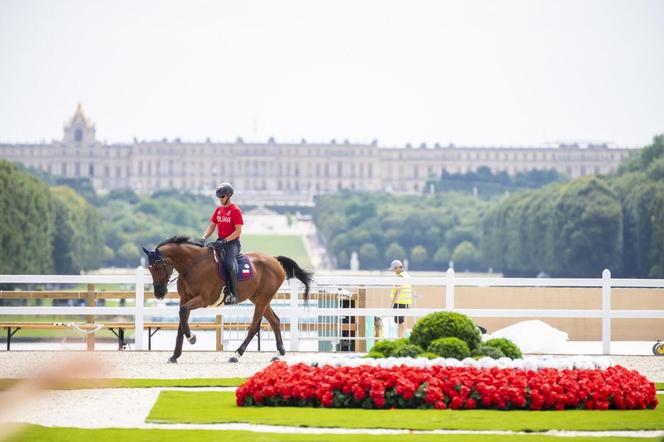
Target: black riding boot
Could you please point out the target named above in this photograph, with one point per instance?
(232, 286)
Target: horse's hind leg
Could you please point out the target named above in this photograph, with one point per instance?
(275, 323)
(259, 310)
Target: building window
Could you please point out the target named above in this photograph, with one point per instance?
(78, 135)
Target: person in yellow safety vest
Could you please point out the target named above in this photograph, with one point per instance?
(401, 295)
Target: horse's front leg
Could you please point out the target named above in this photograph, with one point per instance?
(178, 345)
(259, 310)
(183, 327)
(192, 304)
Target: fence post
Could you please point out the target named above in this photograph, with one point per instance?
(139, 305)
(606, 312)
(91, 302)
(449, 290)
(219, 333)
(294, 318)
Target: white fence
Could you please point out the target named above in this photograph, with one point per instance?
(295, 313)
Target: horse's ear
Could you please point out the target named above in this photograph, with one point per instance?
(147, 252)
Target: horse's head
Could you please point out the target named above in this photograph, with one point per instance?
(160, 270)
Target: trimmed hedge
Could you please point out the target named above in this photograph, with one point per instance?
(507, 347)
(451, 347)
(444, 325)
(487, 350)
(408, 351)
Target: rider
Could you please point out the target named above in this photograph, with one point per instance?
(227, 218)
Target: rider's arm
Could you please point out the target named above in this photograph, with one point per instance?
(236, 233)
(209, 230)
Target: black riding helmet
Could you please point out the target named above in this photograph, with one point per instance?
(224, 189)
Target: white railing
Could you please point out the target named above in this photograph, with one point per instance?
(295, 314)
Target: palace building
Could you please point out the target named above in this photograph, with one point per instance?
(287, 173)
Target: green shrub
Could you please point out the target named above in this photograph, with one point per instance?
(389, 348)
(451, 347)
(408, 351)
(444, 325)
(386, 347)
(487, 350)
(428, 355)
(509, 348)
(374, 355)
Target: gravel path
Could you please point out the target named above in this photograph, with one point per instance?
(20, 364)
(128, 407)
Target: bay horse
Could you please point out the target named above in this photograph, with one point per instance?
(199, 285)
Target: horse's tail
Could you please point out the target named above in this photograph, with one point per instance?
(295, 271)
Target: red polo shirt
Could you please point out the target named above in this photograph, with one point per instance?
(226, 218)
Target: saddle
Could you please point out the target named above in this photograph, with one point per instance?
(244, 269)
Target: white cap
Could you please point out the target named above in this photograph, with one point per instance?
(396, 263)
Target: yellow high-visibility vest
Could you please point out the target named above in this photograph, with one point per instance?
(402, 293)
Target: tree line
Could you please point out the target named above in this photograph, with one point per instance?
(580, 228)
(566, 228)
(48, 227)
(428, 230)
(487, 184)
(45, 229)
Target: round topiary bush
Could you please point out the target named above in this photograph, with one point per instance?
(444, 325)
(487, 350)
(509, 348)
(408, 351)
(451, 347)
(388, 348)
(374, 355)
(428, 355)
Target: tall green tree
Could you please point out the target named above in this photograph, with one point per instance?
(78, 239)
(26, 223)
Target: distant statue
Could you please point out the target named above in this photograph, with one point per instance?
(354, 262)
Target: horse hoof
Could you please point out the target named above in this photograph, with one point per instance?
(192, 339)
(233, 360)
(172, 360)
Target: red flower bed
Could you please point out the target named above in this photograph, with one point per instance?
(302, 385)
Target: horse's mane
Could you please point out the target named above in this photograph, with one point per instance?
(179, 239)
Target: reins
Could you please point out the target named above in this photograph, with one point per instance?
(190, 268)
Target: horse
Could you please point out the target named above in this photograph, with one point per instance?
(199, 285)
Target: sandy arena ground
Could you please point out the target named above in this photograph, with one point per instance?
(128, 408)
(152, 364)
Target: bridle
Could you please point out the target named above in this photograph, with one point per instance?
(160, 265)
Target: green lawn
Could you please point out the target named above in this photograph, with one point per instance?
(659, 385)
(291, 246)
(216, 407)
(34, 433)
(140, 383)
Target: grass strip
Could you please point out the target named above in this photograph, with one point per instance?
(80, 384)
(34, 433)
(659, 385)
(207, 407)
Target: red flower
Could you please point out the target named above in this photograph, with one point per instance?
(443, 387)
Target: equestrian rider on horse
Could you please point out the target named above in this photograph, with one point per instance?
(227, 218)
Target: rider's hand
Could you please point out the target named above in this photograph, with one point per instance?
(202, 240)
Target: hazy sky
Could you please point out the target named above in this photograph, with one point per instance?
(468, 72)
